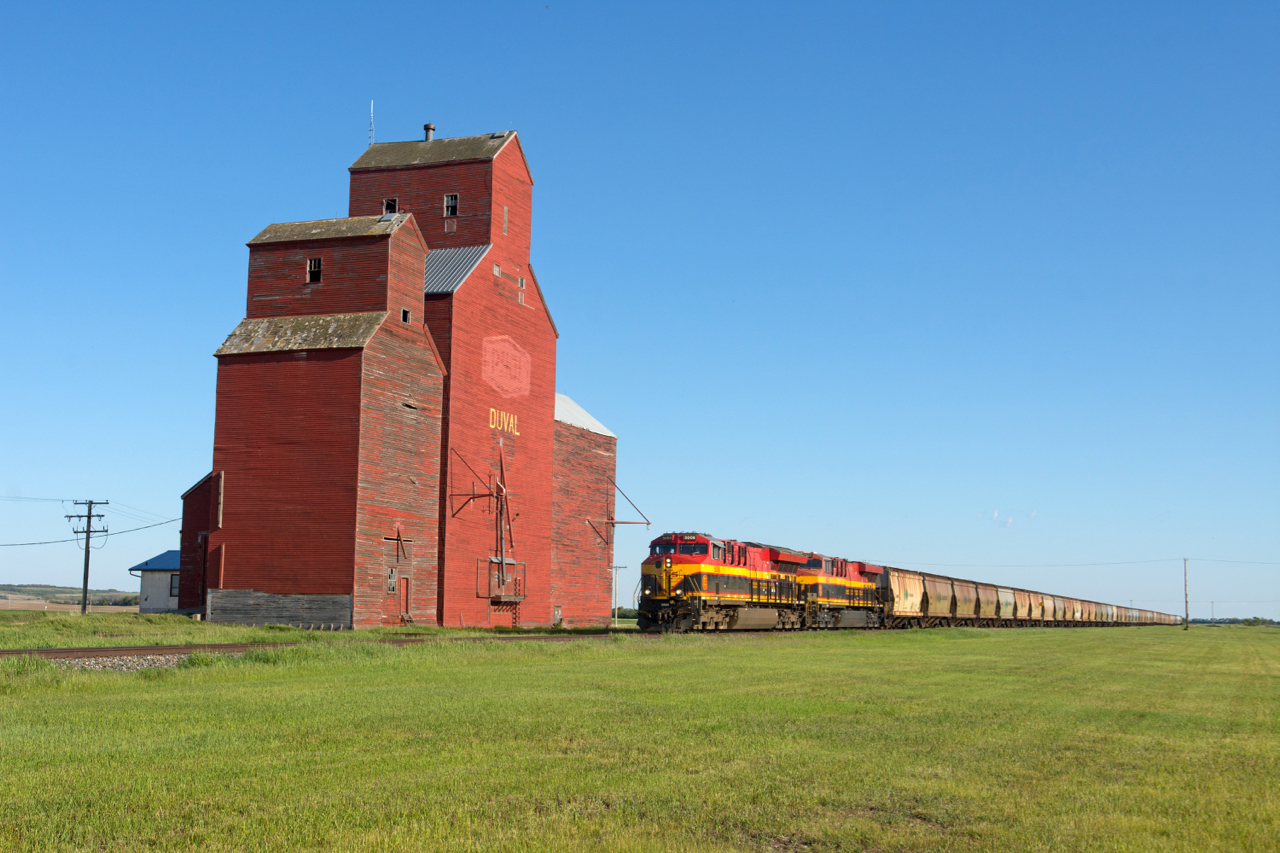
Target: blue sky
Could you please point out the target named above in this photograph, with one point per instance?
(988, 285)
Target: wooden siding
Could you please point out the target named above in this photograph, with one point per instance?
(512, 189)
(399, 474)
(421, 191)
(582, 492)
(487, 307)
(249, 606)
(196, 522)
(287, 437)
(480, 312)
(353, 277)
(356, 275)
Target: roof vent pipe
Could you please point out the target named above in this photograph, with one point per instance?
(431, 131)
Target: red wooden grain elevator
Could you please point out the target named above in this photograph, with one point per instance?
(389, 446)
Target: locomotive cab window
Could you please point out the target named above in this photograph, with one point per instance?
(717, 553)
(659, 550)
(694, 549)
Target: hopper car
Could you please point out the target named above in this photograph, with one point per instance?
(696, 582)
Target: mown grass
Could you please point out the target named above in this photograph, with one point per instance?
(37, 629)
(1088, 739)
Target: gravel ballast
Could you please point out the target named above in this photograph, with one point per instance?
(131, 663)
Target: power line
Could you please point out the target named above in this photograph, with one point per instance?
(133, 516)
(146, 514)
(139, 509)
(1208, 601)
(96, 532)
(1038, 565)
(1073, 565)
(46, 500)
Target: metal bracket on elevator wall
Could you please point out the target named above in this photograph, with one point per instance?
(612, 522)
(488, 494)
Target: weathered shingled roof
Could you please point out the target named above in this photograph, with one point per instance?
(328, 229)
(383, 155)
(446, 269)
(317, 331)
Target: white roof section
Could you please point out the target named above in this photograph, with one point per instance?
(569, 412)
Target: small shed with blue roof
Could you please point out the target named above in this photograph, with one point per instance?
(159, 593)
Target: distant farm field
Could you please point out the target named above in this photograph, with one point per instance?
(1040, 739)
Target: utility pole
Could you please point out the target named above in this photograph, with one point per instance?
(614, 593)
(88, 531)
(1186, 598)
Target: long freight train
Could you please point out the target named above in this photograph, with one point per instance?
(695, 582)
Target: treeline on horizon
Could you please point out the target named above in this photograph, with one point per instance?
(1252, 620)
(49, 589)
(67, 594)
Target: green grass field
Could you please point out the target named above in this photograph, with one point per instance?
(1086, 739)
(35, 629)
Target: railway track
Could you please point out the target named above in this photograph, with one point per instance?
(239, 648)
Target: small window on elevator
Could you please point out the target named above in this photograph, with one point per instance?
(405, 316)
(313, 270)
(451, 204)
(390, 205)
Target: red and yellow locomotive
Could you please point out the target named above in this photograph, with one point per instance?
(695, 582)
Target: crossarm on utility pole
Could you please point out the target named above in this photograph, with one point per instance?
(88, 532)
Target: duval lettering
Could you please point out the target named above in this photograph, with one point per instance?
(504, 421)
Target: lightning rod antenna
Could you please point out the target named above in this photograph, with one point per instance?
(371, 122)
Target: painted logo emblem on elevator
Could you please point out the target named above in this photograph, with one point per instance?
(505, 366)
